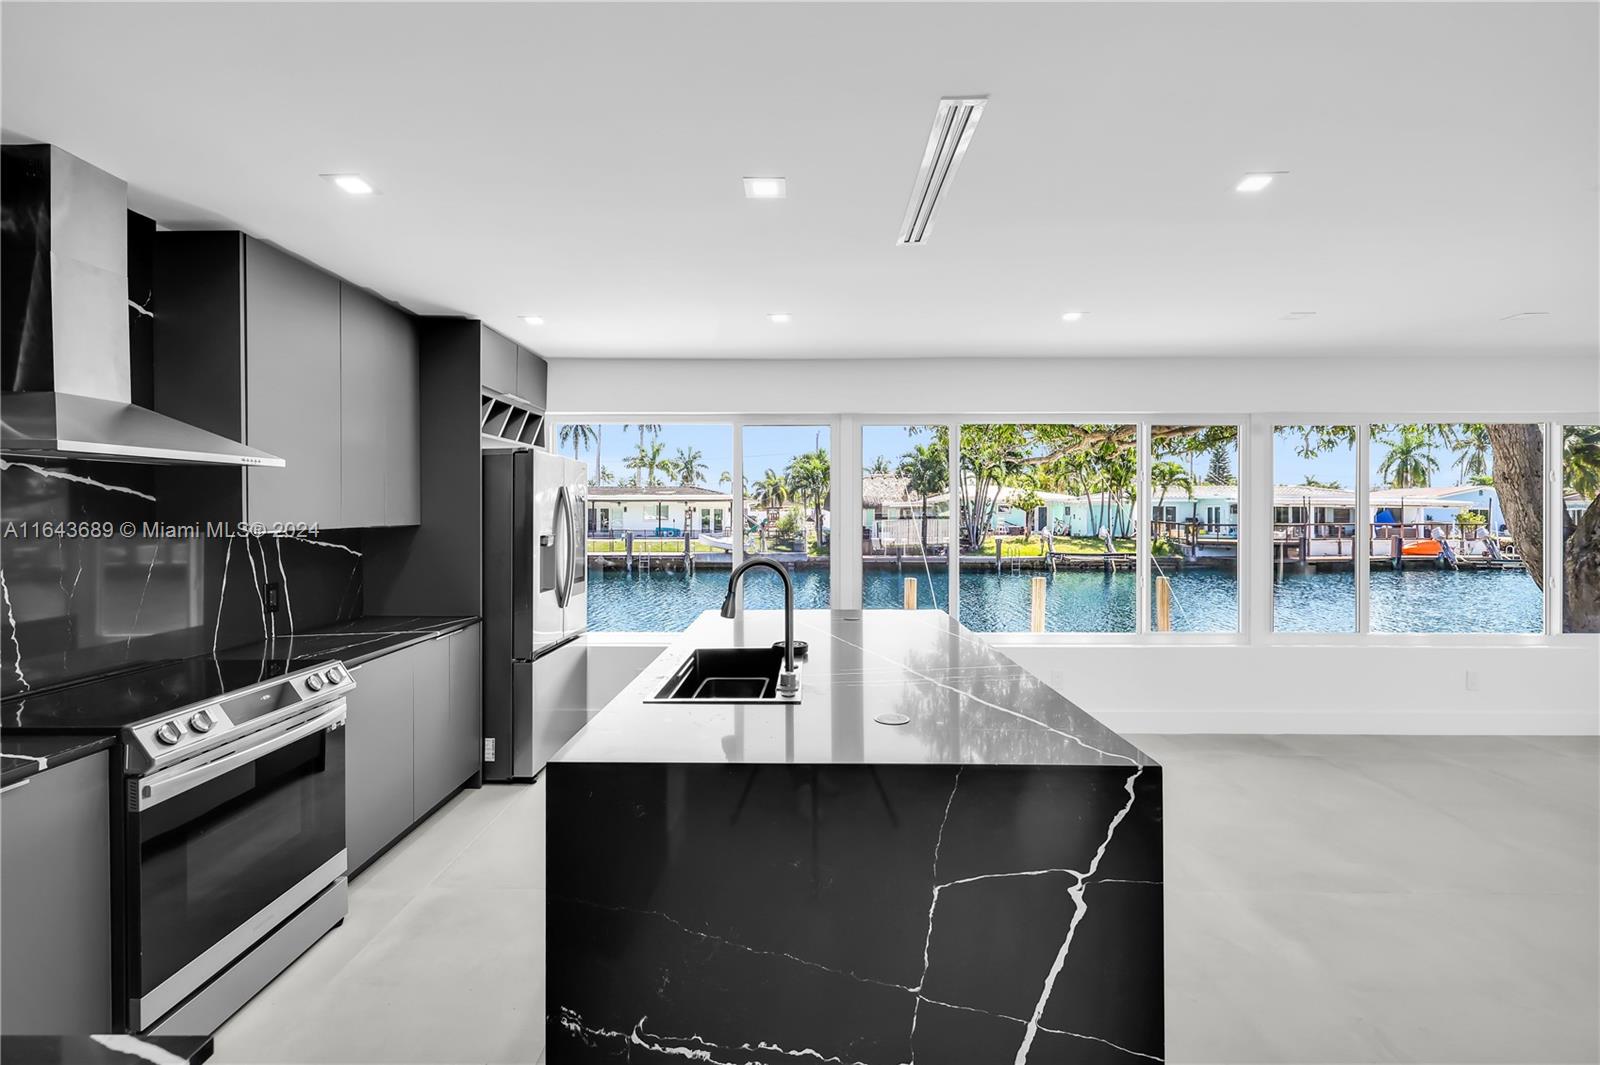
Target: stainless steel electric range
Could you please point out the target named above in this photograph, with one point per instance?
(230, 827)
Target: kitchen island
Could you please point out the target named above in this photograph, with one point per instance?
(762, 883)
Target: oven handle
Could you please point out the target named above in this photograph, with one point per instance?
(159, 787)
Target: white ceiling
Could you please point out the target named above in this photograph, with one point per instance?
(583, 162)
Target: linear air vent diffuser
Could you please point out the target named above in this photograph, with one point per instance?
(953, 126)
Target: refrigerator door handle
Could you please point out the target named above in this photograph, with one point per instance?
(563, 524)
(577, 557)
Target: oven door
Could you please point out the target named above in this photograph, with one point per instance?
(225, 849)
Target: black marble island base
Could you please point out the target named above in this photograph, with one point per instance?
(746, 884)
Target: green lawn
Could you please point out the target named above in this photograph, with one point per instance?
(1016, 547)
(642, 546)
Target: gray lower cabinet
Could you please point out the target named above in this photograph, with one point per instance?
(432, 776)
(466, 702)
(415, 735)
(378, 755)
(55, 900)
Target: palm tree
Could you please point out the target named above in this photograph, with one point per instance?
(605, 476)
(1313, 482)
(580, 436)
(1581, 460)
(991, 456)
(809, 476)
(926, 468)
(690, 465)
(649, 462)
(1167, 475)
(724, 479)
(1410, 462)
(1120, 474)
(880, 467)
(1473, 453)
(771, 491)
(646, 427)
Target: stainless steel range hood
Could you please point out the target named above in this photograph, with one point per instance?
(64, 324)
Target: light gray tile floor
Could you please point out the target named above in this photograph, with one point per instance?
(1329, 899)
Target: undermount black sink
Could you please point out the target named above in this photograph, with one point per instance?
(726, 675)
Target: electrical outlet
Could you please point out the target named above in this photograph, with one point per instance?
(1472, 680)
(272, 597)
(488, 748)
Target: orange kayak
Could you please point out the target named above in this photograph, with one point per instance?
(1421, 549)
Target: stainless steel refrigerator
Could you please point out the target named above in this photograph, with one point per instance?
(535, 682)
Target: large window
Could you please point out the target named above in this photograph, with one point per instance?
(659, 523)
(1194, 528)
(1044, 520)
(1579, 564)
(1456, 522)
(905, 516)
(1314, 528)
(1046, 527)
(788, 518)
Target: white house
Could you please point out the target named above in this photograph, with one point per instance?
(658, 510)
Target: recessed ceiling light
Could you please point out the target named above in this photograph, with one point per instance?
(1073, 316)
(354, 184)
(531, 319)
(1525, 314)
(765, 188)
(780, 318)
(1255, 182)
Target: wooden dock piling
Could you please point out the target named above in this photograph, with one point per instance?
(1163, 604)
(1036, 614)
(909, 593)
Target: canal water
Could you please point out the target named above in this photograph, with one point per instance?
(1203, 600)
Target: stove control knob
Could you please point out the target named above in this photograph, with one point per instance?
(314, 681)
(202, 721)
(169, 733)
(336, 675)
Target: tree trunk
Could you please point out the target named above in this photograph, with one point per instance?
(1519, 482)
(1581, 568)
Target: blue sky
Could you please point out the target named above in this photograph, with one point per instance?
(776, 445)
(773, 446)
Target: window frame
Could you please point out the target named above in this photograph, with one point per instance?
(1255, 515)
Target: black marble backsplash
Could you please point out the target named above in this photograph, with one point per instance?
(105, 566)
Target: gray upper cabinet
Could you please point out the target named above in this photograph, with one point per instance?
(363, 366)
(381, 443)
(292, 388)
(402, 389)
(55, 900)
(499, 366)
(313, 370)
(532, 378)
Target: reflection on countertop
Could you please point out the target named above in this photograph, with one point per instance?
(351, 642)
(104, 1049)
